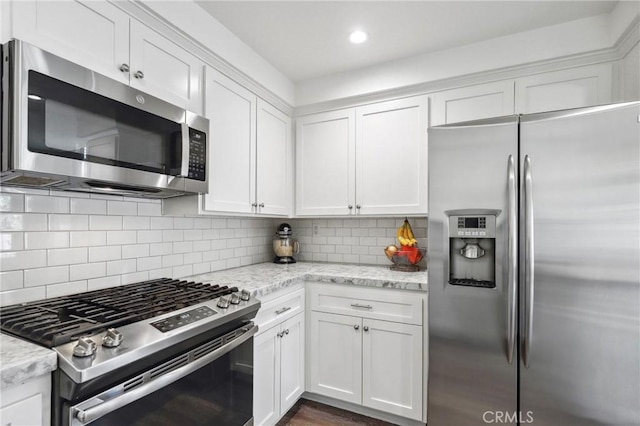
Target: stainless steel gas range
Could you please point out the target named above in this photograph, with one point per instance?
(159, 352)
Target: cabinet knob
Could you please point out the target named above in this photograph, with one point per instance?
(261, 205)
(279, 334)
(365, 328)
(350, 207)
(139, 75)
(124, 68)
(358, 206)
(356, 327)
(286, 331)
(254, 204)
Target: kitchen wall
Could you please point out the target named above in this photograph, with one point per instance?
(56, 243)
(352, 240)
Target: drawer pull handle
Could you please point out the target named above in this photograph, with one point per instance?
(366, 328)
(357, 305)
(356, 327)
(283, 310)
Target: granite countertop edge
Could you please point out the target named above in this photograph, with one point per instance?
(21, 361)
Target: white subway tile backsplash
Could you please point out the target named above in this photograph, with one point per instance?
(135, 251)
(192, 234)
(105, 223)
(183, 223)
(182, 271)
(146, 209)
(11, 202)
(202, 245)
(103, 253)
(45, 240)
(160, 249)
(87, 270)
(134, 277)
(11, 280)
(22, 295)
(160, 273)
(121, 237)
(15, 260)
(136, 222)
(45, 204)
(65, 289)
(161, 223)
(11, 241)
(122, 208)
(88, 206)
(119, 267)
(154, 236)
(68, 256)
(173, 235)
(87, 238)
(68, 222)
(148, 263)
(23, 222)
(44, 276)
(105, 282)
(201, 223)
(172, 260)
(201, 268)
(183, 247)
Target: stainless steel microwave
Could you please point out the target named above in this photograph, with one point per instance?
(69, 128)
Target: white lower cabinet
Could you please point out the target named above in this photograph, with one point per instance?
(27, 404)
(361, 359)
(278, 353)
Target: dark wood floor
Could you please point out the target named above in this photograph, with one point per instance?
(310, 413)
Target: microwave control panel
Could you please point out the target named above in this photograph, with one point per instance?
(197, 154)
(472, 226)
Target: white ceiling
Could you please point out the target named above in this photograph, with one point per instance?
(308, 39)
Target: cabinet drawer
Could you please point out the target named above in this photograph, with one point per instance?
(367, 302)
(277, 310)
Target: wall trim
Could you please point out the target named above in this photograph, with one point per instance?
(615, 53)
(152, 19)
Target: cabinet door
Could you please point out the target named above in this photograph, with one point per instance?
(472, 103)
(273, 161)
(266, 377)
(231, 110)
(25, 412)
(163, 69)
(325, 160)
(291, 362)
(94, 34)
(572, 88)
(391, 157)
(392, 368)
(335, 356)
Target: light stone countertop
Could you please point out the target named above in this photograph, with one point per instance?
(265, 278)
(21, 360)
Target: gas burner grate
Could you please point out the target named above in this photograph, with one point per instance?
(53, 322)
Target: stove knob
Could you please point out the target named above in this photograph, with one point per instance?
(85, 347)
(235, 299)
(245, 295)
(112, 339)
(223, 303)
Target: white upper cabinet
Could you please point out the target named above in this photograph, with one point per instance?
(472, 103)
(163, 69)
(231, 110)
(368, 160)
(251, 158)
(103, 38)
(571, 88)
(391, 157)
(274, 159)
(325, 163)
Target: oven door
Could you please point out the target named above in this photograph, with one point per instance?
(209, 385)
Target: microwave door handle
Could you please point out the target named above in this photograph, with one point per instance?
(184, 165)
(85, 416)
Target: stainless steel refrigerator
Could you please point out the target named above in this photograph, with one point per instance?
(534, 269)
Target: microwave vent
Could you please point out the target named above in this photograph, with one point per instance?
(33, 181)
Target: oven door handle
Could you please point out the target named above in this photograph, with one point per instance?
(97, 411)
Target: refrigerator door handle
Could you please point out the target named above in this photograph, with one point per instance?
(528, 261)
(512, 247)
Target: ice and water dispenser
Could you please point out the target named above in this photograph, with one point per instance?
(472, 244)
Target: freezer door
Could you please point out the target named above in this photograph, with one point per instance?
(580, 284)
(470, 378)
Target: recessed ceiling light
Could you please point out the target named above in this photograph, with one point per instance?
(358, 37)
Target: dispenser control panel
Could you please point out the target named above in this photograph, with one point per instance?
(480, 226)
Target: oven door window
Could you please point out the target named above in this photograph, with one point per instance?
(220, 394)
(67, 121)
